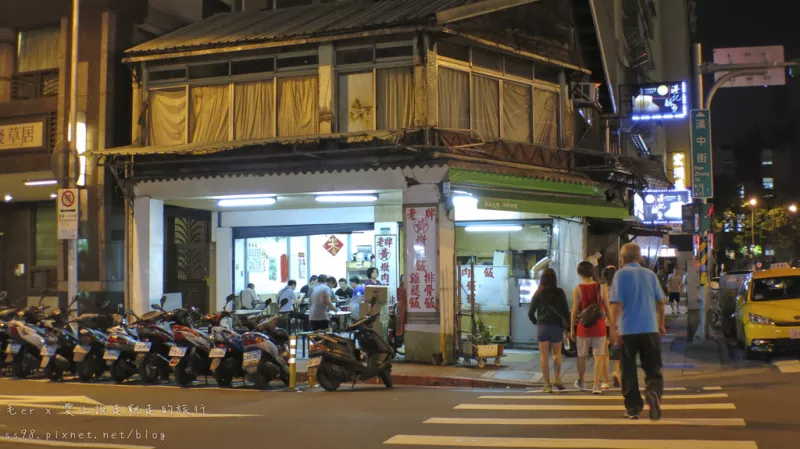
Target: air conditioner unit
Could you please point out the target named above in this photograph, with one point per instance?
(586, 94)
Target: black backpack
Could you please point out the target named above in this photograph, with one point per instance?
(591, 314)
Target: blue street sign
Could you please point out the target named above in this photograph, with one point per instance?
(702, 168)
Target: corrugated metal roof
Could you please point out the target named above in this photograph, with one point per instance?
(282, 24)
(534, 173)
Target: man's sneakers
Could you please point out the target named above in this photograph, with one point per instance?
(558, 384)
(579, 385)
(630, 415)
(547, 389)
(596, 389)
(654, 403)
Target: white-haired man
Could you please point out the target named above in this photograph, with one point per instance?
(638, 304)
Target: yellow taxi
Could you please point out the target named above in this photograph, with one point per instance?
(768, 312)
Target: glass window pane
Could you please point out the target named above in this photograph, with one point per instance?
(453, 51)
(209, 112)
(545, 115)
(298, 61)
(395, 101)
(487, 59)
(46, 242)
(354, 56)
(253, 110)
(453, 89)
(355, 102)
(517, 119)
(208, 70)
(519, 67)
(298, 106)
(394, 52)
(162, 75)
(253, 66)
(486, 107)
(167, 121)
(37, 50)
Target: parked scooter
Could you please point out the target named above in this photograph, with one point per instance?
(92, 339)
(226, 356)
(336, 359)
(119, 352)
(190, 357)
(395, 341)
(7, 313)
(60, 342)
(156, 341)
(266, 354)
(27, 340)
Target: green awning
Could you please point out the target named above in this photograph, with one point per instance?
(548, 182)
(553, 205)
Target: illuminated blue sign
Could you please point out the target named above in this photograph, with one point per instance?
(659, 101)
(663, 207)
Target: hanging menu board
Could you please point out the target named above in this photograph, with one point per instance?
(421, 257)
(491, 284)
(386, 262)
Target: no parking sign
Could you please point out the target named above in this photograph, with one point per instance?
(68, 214)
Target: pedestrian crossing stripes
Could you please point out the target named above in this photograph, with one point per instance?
(787, 366)
(575, 390)
(611, 407)
(696, 408)
(550, 443)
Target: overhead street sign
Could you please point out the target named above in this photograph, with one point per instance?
(702, 168)
(752, 55)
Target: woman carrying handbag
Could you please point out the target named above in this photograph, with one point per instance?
(548, 311)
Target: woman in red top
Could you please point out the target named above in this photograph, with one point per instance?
(594, 336)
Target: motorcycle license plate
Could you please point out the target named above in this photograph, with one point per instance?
(794, 334)
(143, 346)
(251, 358)
(13, 349)
(48, 351)
(111, 354)
(81, 350)
(313, 363)
(217, 353)
(177, 351)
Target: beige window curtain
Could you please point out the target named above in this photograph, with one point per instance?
(453, 99)
(167, 117)
(395, 92)
(356, 105)
(545, 116)
(209, 113)
(298, 106)
(37, 50)
(253, 110)
(517, 119)
(486, 107)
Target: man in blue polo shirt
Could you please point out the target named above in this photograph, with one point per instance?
(638, 306)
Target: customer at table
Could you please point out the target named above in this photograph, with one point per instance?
(320, 304)
(305, 292)
(286, 297)
(372, 277)
(344, 290)
(357, 286)
(249, 297)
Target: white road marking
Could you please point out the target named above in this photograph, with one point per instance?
(68, 444)
(714, 422)
(565, 443)
(571, 390)
(159, 415)
(787, 366)
(45, 402)
(532, 407)
(712, 388)
(602, 397)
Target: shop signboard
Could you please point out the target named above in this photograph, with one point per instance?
(664, 207)
(491, 284)
(302, 266)
(386, 263)
(22, 135)
(656, 101)
(333, 245)
(68, 214)
(422, 237)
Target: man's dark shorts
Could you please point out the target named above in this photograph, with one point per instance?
(674, 297)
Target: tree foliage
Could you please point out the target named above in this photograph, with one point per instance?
(775, 226)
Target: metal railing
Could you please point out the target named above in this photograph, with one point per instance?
(33, 85)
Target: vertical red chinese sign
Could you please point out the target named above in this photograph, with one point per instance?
(421, 258)
(386, 261)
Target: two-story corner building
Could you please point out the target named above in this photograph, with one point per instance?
(35, 49)
(414, 137)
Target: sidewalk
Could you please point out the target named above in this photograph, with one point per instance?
(520, 368)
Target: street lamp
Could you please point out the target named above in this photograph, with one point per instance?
(793, 208)
(753, 203)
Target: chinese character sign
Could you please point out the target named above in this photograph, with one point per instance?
(659, 101)
(421, 258)
(702, 168)
(491, 285)
(21, 135)
(333, 245)
(386, 261)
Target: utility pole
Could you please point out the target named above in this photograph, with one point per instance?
(699, 68)
(71, 169)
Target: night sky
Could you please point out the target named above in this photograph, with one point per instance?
(744, 118)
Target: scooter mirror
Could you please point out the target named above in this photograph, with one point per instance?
(163, 300)
(156, 307)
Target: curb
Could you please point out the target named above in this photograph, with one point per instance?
(433, 381)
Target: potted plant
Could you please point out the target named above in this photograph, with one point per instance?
(485, 343)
